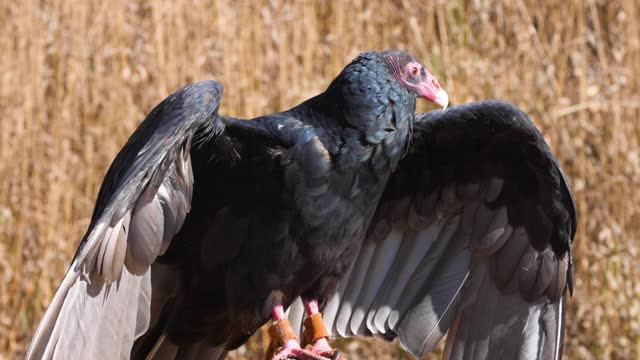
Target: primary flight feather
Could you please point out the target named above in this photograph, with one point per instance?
(390, 223)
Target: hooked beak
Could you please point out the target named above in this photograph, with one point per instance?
(431, 91)
(442, 99)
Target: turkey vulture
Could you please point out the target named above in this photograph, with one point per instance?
(393, 224)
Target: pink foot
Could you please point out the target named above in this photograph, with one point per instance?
(321, 347)
(292, 350)
(288, 351)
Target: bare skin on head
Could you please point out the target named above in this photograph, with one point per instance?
(415, 77)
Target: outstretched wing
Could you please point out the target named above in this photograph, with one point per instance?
(141, 205)
(472, 236)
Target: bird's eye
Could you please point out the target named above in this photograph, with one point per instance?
(415, 71)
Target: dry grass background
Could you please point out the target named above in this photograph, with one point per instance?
(76, 77)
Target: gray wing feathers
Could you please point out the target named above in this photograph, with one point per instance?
(423, 324)
(69, 327)
(352, 291)
(426, 270)
(380, 264)
(144, 232)
(109, 252)
(493, 325)
(330, 314)
(414, 253)
(104, 301)
(104, 291)
(296, 317)
(156, 222)
(455, 263)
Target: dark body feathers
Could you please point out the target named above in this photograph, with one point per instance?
(294, 205)
(471, 236)
(205, 222)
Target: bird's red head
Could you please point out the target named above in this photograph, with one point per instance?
(415, 77)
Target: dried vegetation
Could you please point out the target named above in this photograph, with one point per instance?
(76, 77)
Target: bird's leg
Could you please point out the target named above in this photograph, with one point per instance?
(283, 339)
(284, 342)
(315, 333)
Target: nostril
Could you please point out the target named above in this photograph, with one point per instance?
(435, 84)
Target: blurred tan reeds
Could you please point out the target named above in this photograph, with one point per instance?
(76, 77)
